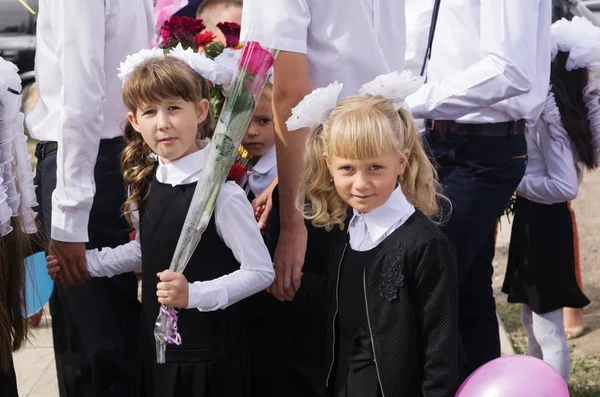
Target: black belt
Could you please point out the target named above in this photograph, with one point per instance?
(509, 128)
(43, 149)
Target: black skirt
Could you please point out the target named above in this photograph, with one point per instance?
(8, 382)
(541, 258)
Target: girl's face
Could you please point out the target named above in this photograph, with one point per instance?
(367, 183)
(170, 127)
(260, 136)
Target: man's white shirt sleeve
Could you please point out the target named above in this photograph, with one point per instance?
(80, 29)
(281, 24)
(509, 39)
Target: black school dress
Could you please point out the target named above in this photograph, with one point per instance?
(210, 360)
(8, 382)
(355, 372)
(288, 342)
(541, 268)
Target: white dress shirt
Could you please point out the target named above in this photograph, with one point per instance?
(351, 41)
(79, 47)
(235, 224)
(368, 230)
(263, 172)
(490, 62)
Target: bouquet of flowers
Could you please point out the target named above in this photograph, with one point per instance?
(240, 103)
(191, 33)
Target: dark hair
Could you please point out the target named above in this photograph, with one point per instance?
(206, 4)
(568, 87)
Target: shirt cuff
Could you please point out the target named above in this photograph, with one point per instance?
(70, 226)
(207, 296)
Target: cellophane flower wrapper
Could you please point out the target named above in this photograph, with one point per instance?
(245, 90)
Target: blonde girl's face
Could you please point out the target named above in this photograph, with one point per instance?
(366, 184)
(170, 127)
(260, 136)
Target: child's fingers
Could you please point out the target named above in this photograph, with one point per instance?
(168, 275)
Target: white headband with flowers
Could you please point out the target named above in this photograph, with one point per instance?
(220, 71)
(314, 109)
(580, 38)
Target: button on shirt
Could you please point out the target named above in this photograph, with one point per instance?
(80, 45)
(368, 230)
(351, 41)
(263, 172)
(490, 62)
(235, 224)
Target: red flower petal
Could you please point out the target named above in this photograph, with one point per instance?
(204, 38)
(231, 31)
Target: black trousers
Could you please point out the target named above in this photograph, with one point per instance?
(479, 174)
(94, 325)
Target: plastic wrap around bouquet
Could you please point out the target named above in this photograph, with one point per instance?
(245, 90)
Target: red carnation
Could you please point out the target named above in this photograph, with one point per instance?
(237, 172)
(231, 31)
(181, 29)
(204, 38)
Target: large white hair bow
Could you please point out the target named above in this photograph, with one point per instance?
(220, 71)
(316, 106)
(580, 38)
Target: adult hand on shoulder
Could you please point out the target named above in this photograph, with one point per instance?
(263, 204)
(173, 289)
(71, 257)
(288, 262)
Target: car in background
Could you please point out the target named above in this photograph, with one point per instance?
(17, 36)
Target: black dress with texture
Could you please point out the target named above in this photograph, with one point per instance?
(210, 361)
(541, 267)
(355, 373)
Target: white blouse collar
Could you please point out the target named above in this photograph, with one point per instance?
(179, 171)
(266, 162)
(380, 220)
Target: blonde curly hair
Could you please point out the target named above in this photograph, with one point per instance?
(153, 81)
(360, 127)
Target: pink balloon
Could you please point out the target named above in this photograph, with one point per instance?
(514, 376)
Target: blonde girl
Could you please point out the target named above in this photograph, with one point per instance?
(392, 325)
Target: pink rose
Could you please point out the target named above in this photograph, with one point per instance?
(256, 60)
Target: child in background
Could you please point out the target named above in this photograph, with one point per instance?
(541, 261)
(259, 141)
(214, 11)
(393, 289)
(168, 113)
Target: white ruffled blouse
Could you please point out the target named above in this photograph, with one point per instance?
(553, 171)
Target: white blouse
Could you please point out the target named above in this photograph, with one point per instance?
(553, 171)
(235, 224)
(368, 230)
(263, 172)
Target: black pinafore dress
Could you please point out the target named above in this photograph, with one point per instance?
(210, 360)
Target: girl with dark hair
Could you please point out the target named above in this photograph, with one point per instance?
(541, 269)
(169, 122)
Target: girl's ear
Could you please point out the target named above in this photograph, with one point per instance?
(133, 121)
(327, 161)
(404, 160)
(202, 109)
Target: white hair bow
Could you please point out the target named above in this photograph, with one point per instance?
(316, 106)
(580, 38)
(220, 71)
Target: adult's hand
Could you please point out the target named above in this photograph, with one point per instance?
(71, 256)
(288, 262)
(263, 204)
